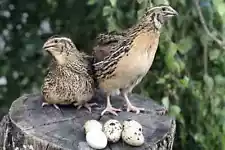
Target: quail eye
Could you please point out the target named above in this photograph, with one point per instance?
(55, 41)
(163, 9)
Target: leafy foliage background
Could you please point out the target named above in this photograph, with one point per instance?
(188, 74)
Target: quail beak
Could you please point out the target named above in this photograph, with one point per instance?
(171, 13)
(47, 46)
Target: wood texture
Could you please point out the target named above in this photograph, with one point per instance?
(28, 126)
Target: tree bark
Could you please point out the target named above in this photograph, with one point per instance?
(29, 126)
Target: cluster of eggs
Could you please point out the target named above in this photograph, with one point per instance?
(97, 135)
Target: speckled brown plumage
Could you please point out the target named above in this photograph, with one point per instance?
(69, 78)
(123, 59)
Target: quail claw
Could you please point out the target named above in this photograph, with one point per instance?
(88, 106)
(44, 104)
(134, 108)
(57, 107)
(131, 107)
(85, 105)
(111, 110)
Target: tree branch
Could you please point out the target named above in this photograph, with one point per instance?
(202, 20)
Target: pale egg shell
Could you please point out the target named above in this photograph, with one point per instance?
(129, 123)
(133, 137)
(92, 125)
(112, 129)
(96, 139)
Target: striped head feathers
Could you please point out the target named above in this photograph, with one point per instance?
(56, 43)
(158, 15)
(60, 48)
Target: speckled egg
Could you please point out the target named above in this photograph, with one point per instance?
(132, 133)
(132, 123)
(133, 137)
(112, 129)
(92, 124)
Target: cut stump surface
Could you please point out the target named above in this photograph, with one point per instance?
(29, 126)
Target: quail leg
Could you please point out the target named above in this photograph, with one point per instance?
(131, 107)
(109, 108)
(85, 105)
(44, 104)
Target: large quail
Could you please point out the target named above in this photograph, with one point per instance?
(123, 59)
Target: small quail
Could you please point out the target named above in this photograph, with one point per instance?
(69, 79)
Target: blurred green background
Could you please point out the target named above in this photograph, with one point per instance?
(188, 74)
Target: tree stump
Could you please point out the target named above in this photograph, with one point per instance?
(28, 126)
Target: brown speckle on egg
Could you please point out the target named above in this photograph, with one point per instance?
(112, 124)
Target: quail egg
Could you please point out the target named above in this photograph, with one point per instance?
(92, 125)
(96, 139)
(133, 137)
(132, 123)
(112, 129)
(132, 133)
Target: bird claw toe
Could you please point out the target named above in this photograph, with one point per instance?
(44, 104)
(134, 109)
(86, 105)
(55, 106)
(111, 110)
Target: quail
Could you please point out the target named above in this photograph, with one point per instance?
(69, 79)
(121, 60)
